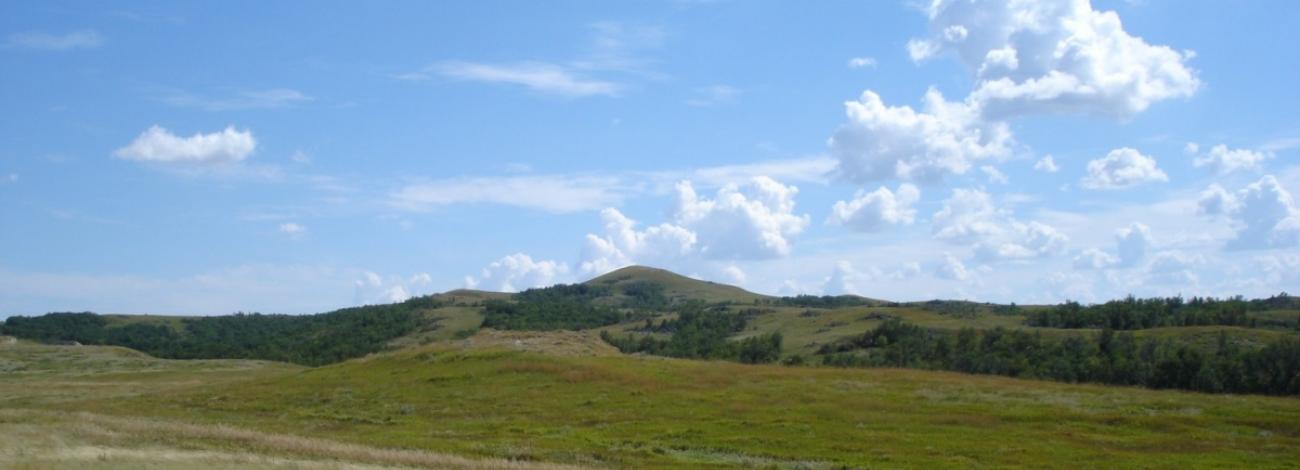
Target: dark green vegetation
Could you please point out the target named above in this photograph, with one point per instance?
(301, 339)
(560, 307)
(699, 332)
(1111, 358)
(1136, 314)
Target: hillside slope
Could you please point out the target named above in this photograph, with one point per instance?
(629, 412)
(677, 286)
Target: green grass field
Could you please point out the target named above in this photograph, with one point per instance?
(537, 398)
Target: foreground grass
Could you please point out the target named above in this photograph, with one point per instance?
(658, 413)
(521, 401)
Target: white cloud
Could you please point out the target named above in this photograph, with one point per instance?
(542, 77)
(1263, 214)
(518, 272)
(1174, 267)
(880, 142)
(994, 175)
(952, 268)
(551, 193)
(752, 221)
(293, 229)
(1132, 243)
(734, 275)
(623, 245)
(158, 145)
(1131, 246)
(869, 212)
(969, 216)
(85, 39)
(1046, 165)
(1223, 160)
(862, 62)
(1021, 241)
(12, 177)
(1122, 168)
(371, 288)
(274, 98)
(845, 279)
(1094, 258)
(714, 95)
(804, 170)
(1053, 56)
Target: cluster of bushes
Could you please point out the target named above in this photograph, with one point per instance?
(1109, 357)
(645, 295)
(825, 301)
(1135, 314)
(304, 339)
(559, 307)
(702, 333)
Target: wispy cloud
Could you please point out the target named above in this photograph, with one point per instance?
(862, 62)
(559, 193)
(550, 193)
(84, 39)
(615, 50)
(539, 76)
(274, 98)
(713, 95)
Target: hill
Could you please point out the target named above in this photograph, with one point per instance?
(675, 286)
(521, 404)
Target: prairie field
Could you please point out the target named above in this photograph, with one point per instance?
(506, 400)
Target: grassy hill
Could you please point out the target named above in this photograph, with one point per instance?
(676, 286)
(515, 399)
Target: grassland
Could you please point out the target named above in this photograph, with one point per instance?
(500, 397)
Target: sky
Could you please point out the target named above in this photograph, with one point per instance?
(296, 157)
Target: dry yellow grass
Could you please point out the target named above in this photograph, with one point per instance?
(43, 439)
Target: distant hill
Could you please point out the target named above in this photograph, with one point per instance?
(676, 286)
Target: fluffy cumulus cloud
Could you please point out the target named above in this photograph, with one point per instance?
(622, 244)
(158, 145)
(1223, 160)
(1263, 214)
(371, 288)
(846, 279)
(751, 221)
(969, 216)
(517, 272)
(1175, 268)
(1021, 241)
(741, 222)
(873, 211)
(1122, 168)
(881, 142)
(1032, 56)
(1094, 258)
(951, 268)
(1132, 243)
(1131, 246)
(1047, 165)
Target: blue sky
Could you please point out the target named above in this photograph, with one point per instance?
(204, 158)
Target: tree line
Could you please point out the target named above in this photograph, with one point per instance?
(1134, 314)
(1117, 358)
(701, 332)
(303, 339)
